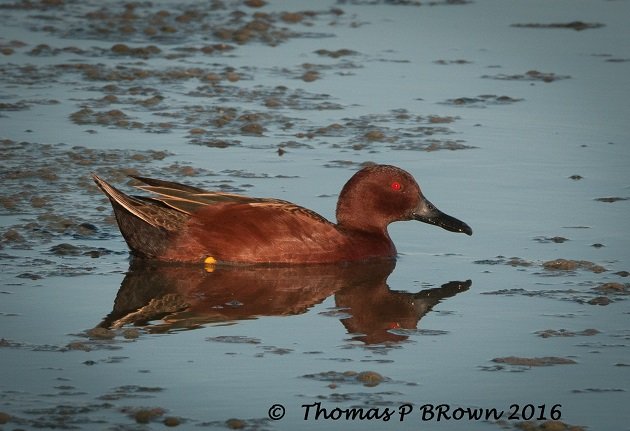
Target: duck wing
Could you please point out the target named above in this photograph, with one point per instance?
(188, 199)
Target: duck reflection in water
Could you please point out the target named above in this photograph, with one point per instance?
(170, 297)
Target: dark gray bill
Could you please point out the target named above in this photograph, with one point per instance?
(427, 212)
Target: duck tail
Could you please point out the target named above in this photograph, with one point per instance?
(122, 202)
(146, 224)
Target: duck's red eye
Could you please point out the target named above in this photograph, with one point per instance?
(396, 186)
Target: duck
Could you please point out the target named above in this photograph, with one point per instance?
(187, 224)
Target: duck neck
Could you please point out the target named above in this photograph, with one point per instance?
(360, 221)
(358, 211)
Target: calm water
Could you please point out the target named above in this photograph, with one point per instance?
(520, 131)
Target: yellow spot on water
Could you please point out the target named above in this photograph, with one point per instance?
(209, 263)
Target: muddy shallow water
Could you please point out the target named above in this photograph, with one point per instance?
(511, 115)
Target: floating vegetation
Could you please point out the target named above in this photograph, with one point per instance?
(573, 25)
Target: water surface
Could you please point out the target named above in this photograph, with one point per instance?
(511, 115)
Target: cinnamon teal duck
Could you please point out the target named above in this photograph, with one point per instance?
(181, 223)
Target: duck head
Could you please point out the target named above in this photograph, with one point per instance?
(378, 195)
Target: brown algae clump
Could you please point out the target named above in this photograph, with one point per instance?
(235, 424)
(375, 135)
(611, 199)
(144, 416)
(253, 129)
(550, 425)
(335, 54)
(572, 265)
(310, 76)
(534, 362)
(370, 378)
(547, 333)
(101, 334)
(144, 52)
(172, 421)
(530, 75)
(4, 418)
(114, 117)
(573, 25)
(614, 288)
(366, 378)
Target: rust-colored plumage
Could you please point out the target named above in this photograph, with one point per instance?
(187, 224)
